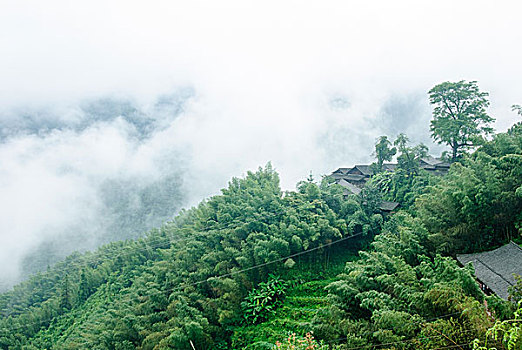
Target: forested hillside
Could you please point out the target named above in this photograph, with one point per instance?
(186, 280)
(259, 268)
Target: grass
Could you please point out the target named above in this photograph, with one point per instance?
(303, 299)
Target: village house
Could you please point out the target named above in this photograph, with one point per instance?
(358, 175)
(496, 269)
(353, 179)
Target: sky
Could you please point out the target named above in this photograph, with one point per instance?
(307, 85)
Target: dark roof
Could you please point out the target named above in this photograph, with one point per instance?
(364, 169)
(341, 171)
(496, 267)
(341, 174)
(388, 206)
(429, 160)
(361, 172)
(432, 162)
(389, 166)
(367, 169)
(354, 177)
(443, 165)
(348, 186)
(337, 176)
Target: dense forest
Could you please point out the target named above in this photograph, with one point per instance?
(260, 268)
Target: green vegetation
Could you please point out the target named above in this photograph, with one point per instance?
(459, 115)
(407, 181)
(299, 343)
(396, 293)
(304, 298)
(258, 268)
(186, 281)
(264, 300)
(383, 152)
(508, 332)
(478, 204)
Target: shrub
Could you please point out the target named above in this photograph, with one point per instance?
(264, 300)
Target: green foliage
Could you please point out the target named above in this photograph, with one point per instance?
(262, 301)
(508, 332)
(409, 159)
(401, 187)
(390, 293)
(459, 115)
(183, 282)
(305, 297)
(200, 277)
(362, 212)
(501, 309)
(383, 152)
(408, 180)
(476, 205)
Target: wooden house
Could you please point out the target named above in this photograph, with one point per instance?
(496, 269)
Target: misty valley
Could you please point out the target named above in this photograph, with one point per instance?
(101, 198)
(411, 250)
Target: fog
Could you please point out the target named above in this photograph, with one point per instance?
(114, 115)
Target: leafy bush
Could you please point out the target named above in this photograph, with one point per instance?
(262, 301)
(509, 332)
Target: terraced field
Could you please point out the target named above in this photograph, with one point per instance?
(299, 308)
(303, 299)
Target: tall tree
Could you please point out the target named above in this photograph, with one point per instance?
(383, 152)
(65, 294)
(409, 158)
(459, 115)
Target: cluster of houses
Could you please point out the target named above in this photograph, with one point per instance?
(495, 270)
(353, 179)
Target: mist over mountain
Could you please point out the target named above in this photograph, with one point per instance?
(164, 173)
(79, 176)
(145, 120)
(108, 127)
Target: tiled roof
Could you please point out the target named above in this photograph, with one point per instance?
(364, 169)
(351, 188)
(354, 177)
(341, 171)
(496, 268)
(388, 206)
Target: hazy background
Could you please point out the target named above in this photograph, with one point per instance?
(114, 115)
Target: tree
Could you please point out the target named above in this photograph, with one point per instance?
(383, 152)
(65, 294)
(509, 332)
(402, 185)
(459, 116)
(409, 158)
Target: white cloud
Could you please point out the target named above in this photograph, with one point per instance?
(264, 75)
